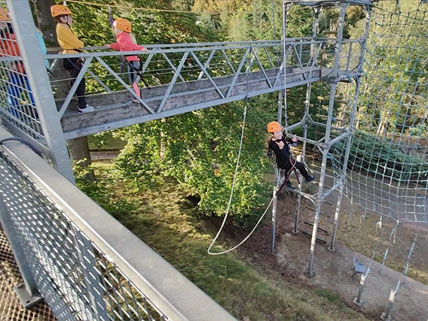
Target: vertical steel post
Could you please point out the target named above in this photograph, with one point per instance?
(285, 7)
(368, 10)
(358, 299)
(31, 54)
(27, 292)
(306, 116)
(350, 130)
(309, 272)
(274, 208)
(339, 39)
(280, 99)
(386, 316)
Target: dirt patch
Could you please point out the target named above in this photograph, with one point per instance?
(359, 231)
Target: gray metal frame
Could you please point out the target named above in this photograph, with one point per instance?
(336, 74)
(32, 58)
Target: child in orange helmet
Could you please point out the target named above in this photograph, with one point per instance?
(125, 41)
(280, 146)
(70, 43)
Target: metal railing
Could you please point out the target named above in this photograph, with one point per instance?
(84, 263)
(213, 73)
(175, 64)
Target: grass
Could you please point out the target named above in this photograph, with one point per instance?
(169, 223)
(349, 233)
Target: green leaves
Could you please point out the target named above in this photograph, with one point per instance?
(199, 150)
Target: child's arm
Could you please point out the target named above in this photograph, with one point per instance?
(125, 43)
(114, 46)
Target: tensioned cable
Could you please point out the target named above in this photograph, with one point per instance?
(141, 8)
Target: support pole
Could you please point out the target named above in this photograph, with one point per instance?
(305, 118)
(27, 292)
(285, 8)
(386, 316)
(274, 208)
(339, 40)
(345, 164)
(31, 53)
(358, 299)
(309, 272)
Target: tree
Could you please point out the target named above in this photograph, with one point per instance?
(78, 148)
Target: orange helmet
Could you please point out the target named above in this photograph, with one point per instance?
(59, 10)
(273, 126)
(4, 14)
(122, 24)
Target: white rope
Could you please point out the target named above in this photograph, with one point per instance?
(233, 187)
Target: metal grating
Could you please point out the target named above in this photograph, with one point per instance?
(77, 280)
(10, 307)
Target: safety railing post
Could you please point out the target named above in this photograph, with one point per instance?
(36, 72)
(27, 292)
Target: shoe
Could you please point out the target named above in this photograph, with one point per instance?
(86, 109)
(310, 178)
(288, 184)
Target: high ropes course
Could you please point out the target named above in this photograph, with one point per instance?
(370, 145)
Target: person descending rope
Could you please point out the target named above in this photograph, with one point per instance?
(279, 143)
(125, 41)
(70, 43)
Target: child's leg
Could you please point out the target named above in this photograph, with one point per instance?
(133, 67)
(302, 170)
(80, 91)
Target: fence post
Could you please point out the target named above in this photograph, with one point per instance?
(36, 72)
(27, 291)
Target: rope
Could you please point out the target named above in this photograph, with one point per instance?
(23, 141)
(232, 189)
(128, 7)
(234, 182)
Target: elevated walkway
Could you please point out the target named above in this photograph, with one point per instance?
(188, 77)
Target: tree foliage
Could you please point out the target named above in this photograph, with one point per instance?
(199, 149)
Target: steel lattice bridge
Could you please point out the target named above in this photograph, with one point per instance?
(195, 76)
(188, 77)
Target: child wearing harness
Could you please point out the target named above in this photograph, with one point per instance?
(70, 43)
(280, 146)
(125, 41)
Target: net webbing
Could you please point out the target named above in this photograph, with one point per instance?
(388, 162)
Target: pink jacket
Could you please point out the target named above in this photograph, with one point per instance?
(125, 43)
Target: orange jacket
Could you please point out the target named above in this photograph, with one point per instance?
(9, 47)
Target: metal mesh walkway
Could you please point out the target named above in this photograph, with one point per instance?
(10, 307)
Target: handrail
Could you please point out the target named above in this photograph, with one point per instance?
(183, 48)
(161, 284)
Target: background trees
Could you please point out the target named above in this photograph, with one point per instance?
(199, 149)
